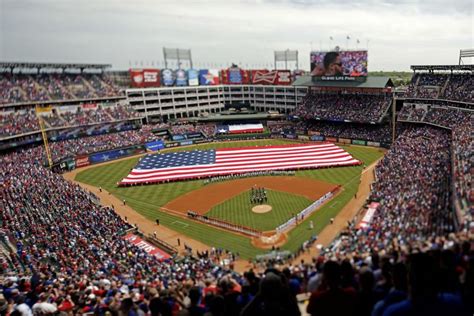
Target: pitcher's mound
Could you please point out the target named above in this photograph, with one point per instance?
(260, 209)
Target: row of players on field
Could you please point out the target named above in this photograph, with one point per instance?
(258, 195)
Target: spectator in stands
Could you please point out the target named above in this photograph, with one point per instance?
(331, 298)
(424, 295)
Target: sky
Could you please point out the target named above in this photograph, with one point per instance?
(397, 33)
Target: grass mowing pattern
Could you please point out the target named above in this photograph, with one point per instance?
(238, 210)
(147, 199)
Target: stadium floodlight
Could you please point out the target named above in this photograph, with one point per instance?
(465, 53)
(179, 55)
(286, 56)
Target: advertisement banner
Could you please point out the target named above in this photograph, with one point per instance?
(331, 139)
(246, 76)
(181, 78)
(143, 78)
(234, 76)
(177, 137)
(274, 77)
(374, 144)
(359, 142)
(147, 247)
(89, 106)
(168, 77)
(303, 137)
(193, 77)
(262, 77)
(290, 136)
(115, 154)
(317, 138)
(171, 144)
(339, 65)
(186, 142)
(344, 140)
(155, 146)
(201, 141)
(283, 77)
(224, 75)
(193, 135)
(71, 164)
(209, 77)
(310, 133)
(82, 161)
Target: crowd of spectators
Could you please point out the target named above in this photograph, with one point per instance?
(15, 88)
(92, 144)
(64, 253)
(18, 123)
(462, 160)
(179, 129)
(412, 187)
(23, 122)
(456, 87)
(461, 88)
(340, 107)
(376, 133)
(67, 257)
(460, 123)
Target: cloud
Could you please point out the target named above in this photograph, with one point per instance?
(399, 33)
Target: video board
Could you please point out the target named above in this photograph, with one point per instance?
(338, 65)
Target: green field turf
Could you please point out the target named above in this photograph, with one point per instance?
(238, 210)
(148, 199)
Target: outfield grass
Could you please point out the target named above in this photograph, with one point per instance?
(238, 210)
(148, 199)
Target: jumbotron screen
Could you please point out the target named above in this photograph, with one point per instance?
(339, 65)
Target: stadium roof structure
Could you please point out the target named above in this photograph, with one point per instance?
(39, 66)
(442, 67)
(369, 83)
(237, 117)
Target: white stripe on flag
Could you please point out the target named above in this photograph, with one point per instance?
(242, 160)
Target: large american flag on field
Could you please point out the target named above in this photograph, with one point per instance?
(208, 163)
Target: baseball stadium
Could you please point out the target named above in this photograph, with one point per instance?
(224, 188)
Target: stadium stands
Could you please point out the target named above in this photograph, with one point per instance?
(92, 144)
(412, 187)
(180, 129)
(16, 123)
(30, 87)
(63, 253)
(340, 107)
(460, 122)
(375, 133)
(456, 87)
(75, 260)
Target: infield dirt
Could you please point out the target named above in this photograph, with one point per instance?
(205, 198)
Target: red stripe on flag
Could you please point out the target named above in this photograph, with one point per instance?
(249, 159)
